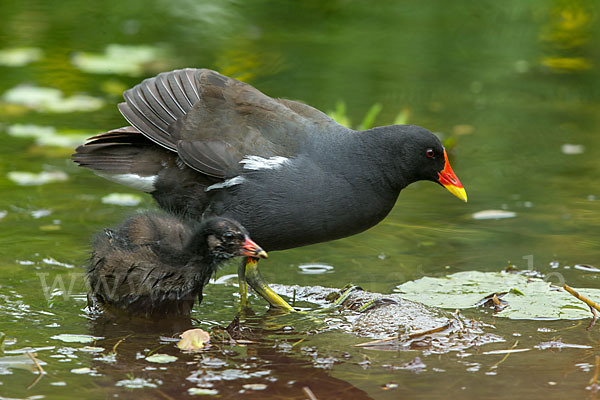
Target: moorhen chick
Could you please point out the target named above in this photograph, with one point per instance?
(156, 265)
(205, 144)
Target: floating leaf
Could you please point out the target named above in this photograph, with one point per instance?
(202, 392)
(255, 386)
(119, 59)
(494, 214)
(161, 358)
(19, 56)
(82, 371)
(50, 99)
(527, 298)
(193, 340)
(32, 179)
(91, 349)
(122, 199)
(68, 338)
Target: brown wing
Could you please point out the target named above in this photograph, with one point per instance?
(213, 121)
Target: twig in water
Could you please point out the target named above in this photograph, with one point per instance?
(580, 297)
(505, 356)
(309, 393)
(41, 371)
(114, 349)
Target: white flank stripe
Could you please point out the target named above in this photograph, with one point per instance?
(138, 182)
(229, 182)
(256, 162)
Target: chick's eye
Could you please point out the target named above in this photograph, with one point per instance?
(228, 236)
(430, 153)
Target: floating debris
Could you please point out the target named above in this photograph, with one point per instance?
(51, 100)
(139, 383)
(161, 358)
(72, 338)
(193, 340)
(493, 214)
(255, 386)
(23, 178)
(83, 371)
(20, 56)
(202, 392)
(122, 199)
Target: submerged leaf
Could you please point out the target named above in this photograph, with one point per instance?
(193, 340)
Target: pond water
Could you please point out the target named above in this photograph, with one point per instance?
(513, 87)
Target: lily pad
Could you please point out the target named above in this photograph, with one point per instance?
(193, 340)
(161, 358)
(527, 298)
(19, 56)
(119, 59)
(50, 99)
(68, 338)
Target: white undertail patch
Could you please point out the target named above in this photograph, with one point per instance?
(134, 181)
(256, 162)
(225, 184)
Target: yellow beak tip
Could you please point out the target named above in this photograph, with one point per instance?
(461, 193)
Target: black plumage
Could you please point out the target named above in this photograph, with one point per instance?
(205, 144)
(154, 264)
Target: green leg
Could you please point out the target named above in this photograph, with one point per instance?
(254, 278)
(242, 283)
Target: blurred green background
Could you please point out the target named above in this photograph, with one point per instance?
(512, 87)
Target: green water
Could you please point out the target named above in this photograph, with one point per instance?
(508, 83)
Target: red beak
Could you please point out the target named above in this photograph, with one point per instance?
(251, 249)
(450, 181)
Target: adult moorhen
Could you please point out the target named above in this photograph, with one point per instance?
(156, 265)
(205, 144)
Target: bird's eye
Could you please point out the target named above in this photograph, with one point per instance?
(430, 153)
(228, 236)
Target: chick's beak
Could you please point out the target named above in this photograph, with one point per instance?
(251, 249)
(449, 180)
